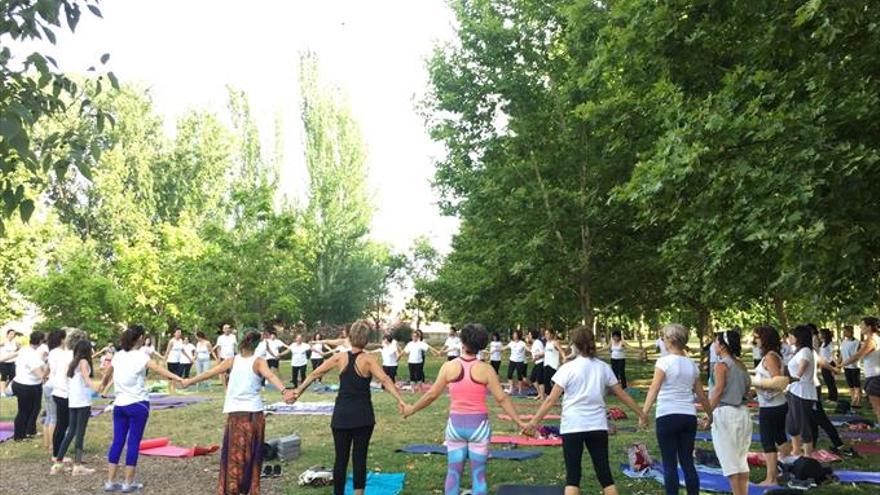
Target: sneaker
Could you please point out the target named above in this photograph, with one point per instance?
(130, 488)
(57, 468)
(111, 486)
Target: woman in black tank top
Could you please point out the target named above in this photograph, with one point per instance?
(353, 416)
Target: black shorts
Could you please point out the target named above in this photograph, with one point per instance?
(872, 386)
(450, 358)
(391, 371)
(518, 368)
(184, 370)
(176, 368)
(853, 377)
(7, 371)
(797, 420)
(273, 363)
(537, 375)
(771, 422)
(496, 365)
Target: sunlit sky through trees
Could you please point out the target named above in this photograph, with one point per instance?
(187, 52)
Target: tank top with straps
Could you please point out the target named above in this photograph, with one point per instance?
(467, 396)
(354, 404)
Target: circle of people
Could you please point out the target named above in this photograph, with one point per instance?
(785, 380)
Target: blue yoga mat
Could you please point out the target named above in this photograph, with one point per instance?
(705, 436)
(379, 484)
(858, 477)
(709, 482)
(530, 490)
(513, 455)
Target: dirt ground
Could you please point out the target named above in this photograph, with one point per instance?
(195, 476)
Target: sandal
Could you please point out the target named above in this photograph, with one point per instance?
(276, 471)
(267, 472)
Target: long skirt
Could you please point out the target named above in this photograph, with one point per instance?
(241, 459)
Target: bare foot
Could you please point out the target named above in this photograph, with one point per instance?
(769, 483)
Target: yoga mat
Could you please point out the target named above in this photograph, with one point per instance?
(709, 481)
(706, 436)
(530, 490)
(379, 484)
(858, 477)
(821, 455)
(152, 443)
(525, 417)
(866, 436)
(867, 448)
(7, 426)
(840, 419)
(301, 408)
(5, 435)
(324, 389)
(521, 440)
(161, 447)
(510, 455)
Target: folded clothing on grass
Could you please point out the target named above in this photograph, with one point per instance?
(301, 408)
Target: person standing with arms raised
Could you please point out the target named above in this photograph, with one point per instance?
(353, 416)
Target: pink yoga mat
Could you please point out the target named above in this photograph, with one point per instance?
(7, 426)
(526, 417)
(520, 440)
(161, 447)
(152, 443)
(867, 448)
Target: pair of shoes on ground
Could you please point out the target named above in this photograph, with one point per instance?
(122, 487)
(271, 471)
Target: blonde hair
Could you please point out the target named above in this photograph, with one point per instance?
(677, 335)
(359, 334)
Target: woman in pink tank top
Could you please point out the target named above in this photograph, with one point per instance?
(468, 430)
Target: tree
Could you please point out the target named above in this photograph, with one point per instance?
(32, 89)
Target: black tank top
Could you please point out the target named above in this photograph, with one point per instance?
(354, 404)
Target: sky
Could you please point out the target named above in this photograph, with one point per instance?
(188, 52)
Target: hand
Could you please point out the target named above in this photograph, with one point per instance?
(182, 383)
(529, 429)
(408, 410)
(643, 421)
(290, 395)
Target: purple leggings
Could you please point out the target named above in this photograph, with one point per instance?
(128, 421)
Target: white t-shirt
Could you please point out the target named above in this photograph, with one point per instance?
(416, 352)
(453, 344)
(319, 349)
(617, 350)
(174, 355)
(389, 354)
(298, 354)
(537, 348)
(226, 343)
(29, 360)
(261, 350)
(188, 350)
(79, 395)
(756, 352)
(517, 351)
(495, 348)
(43, 351)
(129, 371)
(585, 382)
(788, 351)
(551, 355)
(662, 347)
(872, 359)
(148, 350)
(713, 356)
(804, 387)
(275, 345)
(827, 352)
(203, 350)
(848, 349)
(59, 362)
(676, 394)
(8, 347)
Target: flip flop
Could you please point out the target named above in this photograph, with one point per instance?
(267, 472)
(276, 471)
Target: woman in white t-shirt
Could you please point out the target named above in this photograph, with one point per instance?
(390, 352)
(552, 358)
(203, 354)
(174, 356)
(452, 345)
(59, 361)
(770, 383)
(317, 353)
(299, 361)
(585, 381)
(801, 392)
(495, 349)
(8, 352)
(80, 387)
(30, 370)
(849, 346)
(54, 342)
(416, 350)
(517, 362)
(617, 349)
(536, 349)
(225, 347)
(826, 350)
(245, 422)
(187, 357)
(131, 407)
(869, 353)
(676, 381)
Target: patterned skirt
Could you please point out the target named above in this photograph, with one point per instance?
(241, 459)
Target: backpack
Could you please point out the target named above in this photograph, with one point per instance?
(639, 459)
(809, 469)
(843, 407)
(707, 458)
(316, 476)
(616, 413)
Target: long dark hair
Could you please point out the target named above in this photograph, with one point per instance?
(769, 338)
(825, 336)
(130, 337)
(803, 336)
(82, 350)
(731, 341)
(56, 337)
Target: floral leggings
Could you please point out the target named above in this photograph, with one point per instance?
(467, 437)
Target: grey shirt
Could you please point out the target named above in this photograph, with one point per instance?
(736, 385)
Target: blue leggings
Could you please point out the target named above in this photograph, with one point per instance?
(675, 434)
(467, 437)
(128, 422)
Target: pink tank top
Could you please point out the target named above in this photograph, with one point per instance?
(465, 395)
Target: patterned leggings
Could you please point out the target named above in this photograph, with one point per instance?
(467, 437)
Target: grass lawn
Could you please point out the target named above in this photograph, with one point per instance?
(203, 424)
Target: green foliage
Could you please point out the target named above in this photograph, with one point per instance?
(32, 89)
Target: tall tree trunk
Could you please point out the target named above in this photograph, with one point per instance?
(704, 322)
(779, 307)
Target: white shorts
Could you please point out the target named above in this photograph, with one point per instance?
(731, 437)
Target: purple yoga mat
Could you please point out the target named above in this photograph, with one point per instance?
(868, 436)
(5, 435)
(7, 426)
